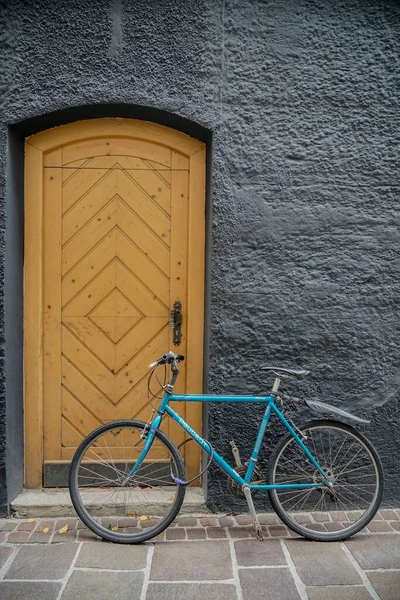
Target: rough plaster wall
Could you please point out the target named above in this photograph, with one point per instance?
(302, 98)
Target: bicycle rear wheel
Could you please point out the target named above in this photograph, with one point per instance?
(133, 510)
(327, 514)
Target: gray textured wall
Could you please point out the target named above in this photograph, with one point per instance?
(302, 98)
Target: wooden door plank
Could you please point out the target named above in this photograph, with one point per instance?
(76, 413)
(153, 185)
(90, 235)
(84, 389)
(143, 237)
(88, 363)
(143, 298)
(178, 280)
(94, 339)
(83, 132)
(91, 296)
(144, 206)
(52, 310)
(91, 265)
(195, 278)
(134, 369)
(146, 271)
(117, 147)
(138, 337)
(33, 317)
(89, 205)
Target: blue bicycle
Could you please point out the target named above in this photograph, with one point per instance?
(324, 479)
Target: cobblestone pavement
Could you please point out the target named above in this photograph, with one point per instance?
(199, 557)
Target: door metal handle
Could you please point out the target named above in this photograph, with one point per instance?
(176, 322)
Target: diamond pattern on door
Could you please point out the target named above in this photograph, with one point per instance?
(115, 286)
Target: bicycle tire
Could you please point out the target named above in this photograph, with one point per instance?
(95, 526)
(347, 530)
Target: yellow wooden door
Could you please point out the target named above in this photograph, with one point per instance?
(114, 236)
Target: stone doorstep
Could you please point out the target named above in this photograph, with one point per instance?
(56, 502)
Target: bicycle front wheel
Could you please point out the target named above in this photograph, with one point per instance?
(327, 513)
(119, 508)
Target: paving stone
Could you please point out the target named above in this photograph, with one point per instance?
(317, 527)
(225, 522)
(81, 525)
(353, 515)
(208, 561)
(45, 525)
(18, 537)
(175, 534)
(2, 536)
(321, 517)
(389, 514)
(379, 526)
(378, 516)
(339, 515)
(376, 551)
(191, 591)
(386, 584)
(118, 557)
(243, 520)
(26, 526)
(32, 590)
(97, 585)
(303, 518)
(72, 523)
(149, 523)
(333, 526)
(268, 519)
(4, 554)
(215, 532)
(268, 584)
(342, 592)
(85, 535)
(61, 538)
(208, 521)
(278, 531)
(40, 538)
(7, 525)
(187, 521)
(252, 554)
(196, 533)
(242, 532)
(395, 525)
(319, 563)
(42, 562)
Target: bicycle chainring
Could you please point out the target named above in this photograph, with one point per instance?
(235, 489)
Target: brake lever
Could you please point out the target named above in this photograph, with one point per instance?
(153, 364)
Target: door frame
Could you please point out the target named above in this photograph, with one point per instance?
(36, 147)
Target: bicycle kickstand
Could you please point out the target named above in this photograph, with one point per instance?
(253, 514)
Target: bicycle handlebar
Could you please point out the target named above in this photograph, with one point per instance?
(167, 359)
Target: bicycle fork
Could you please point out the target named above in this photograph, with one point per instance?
(252, 511)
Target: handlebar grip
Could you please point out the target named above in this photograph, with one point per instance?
(180, 357)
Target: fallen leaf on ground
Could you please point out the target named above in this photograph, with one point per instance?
(31, 520)
(63, 529)
(114, 528)
(171, 498)
(45, 530)
(131, 514)
(143, 518)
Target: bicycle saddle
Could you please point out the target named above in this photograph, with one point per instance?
(282, 372)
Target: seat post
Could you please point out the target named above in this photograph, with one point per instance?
(275, 387)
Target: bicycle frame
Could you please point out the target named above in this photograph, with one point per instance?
(270, 407)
